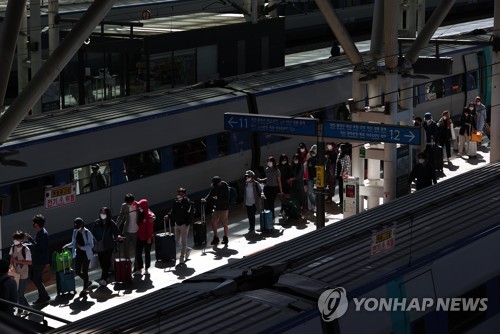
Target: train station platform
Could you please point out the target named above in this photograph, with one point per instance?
(242, 243)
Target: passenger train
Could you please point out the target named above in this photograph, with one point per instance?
(437, 264)
(151, 144)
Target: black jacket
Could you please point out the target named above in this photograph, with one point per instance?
(218, 197)
(182, 212)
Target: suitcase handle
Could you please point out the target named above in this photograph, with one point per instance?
(202, 213)
(165, 226)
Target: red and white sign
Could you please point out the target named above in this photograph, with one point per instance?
(60, 196)
(383, 241)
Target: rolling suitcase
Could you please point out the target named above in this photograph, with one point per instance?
(200, 229)
(291, 208)
(266, 220)
(437, 157)
(65, 279)
(165, 244)
(123, 267)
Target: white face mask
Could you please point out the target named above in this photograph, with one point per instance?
(329, 147)
(444, 117)
(302, 150)
(284, 162)
(103, 216)
(269, 164)
(179, 197)
(17, 242)
(478, 103)
(429, 121)
(296, 161)
(421, 161)
(471, 108)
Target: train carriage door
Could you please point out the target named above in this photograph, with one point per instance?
(472, 78)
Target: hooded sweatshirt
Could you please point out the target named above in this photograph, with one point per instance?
(145, 220)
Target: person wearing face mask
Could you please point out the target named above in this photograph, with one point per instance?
(40, 257)
(127, 223)
(252, 196)
(343, 168)
(480, 109)
(144, 237)
(182, 215)
(20, 260)
(297, 191)
(105, 232)
(467, 124)
(445, 133)
(218, 204)
(286, 173)
(431, 130)
(311, 180)
(330, 162)
(423, 172)
(272, 183)
(82, 243)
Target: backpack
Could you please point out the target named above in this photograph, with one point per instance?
(233, 196)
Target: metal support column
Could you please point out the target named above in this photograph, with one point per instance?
(35, 47)
(495, 96)
(53, 8)
(52, 67)
(10, 31)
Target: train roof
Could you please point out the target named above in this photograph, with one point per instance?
(113, 113)
(275, 285)
(337, 67)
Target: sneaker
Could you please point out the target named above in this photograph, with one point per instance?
(215, 241)
(137, 272)
(103, 282)
(225, 241)
(146, 272)
(188, 252)
(86, 286)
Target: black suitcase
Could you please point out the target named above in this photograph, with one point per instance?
(165, 244)
(291, 208)
(200, 229)
(437, 157)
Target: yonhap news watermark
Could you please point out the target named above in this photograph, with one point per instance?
(333, 304)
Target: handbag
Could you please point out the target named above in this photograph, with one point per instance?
(98, 246)
(477, 136)
(12, 273)
(94, 262)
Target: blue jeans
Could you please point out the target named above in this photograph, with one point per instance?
(311, 198)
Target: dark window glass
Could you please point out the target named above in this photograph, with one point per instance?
(29, 194)
(142, 164)
(190, 152)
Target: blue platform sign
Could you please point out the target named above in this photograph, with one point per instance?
(371, 132)
(272, 124)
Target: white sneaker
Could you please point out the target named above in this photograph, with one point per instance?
(146, 272)
(188, 252)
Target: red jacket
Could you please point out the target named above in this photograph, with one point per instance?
(145, 230)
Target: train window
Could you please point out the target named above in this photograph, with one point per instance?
(223, 144)
(91, 177)
(462, 321)
(189, 152)
(457, 84)
(29, 194)
(471, 78)
(137, 166)
(434, 90)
